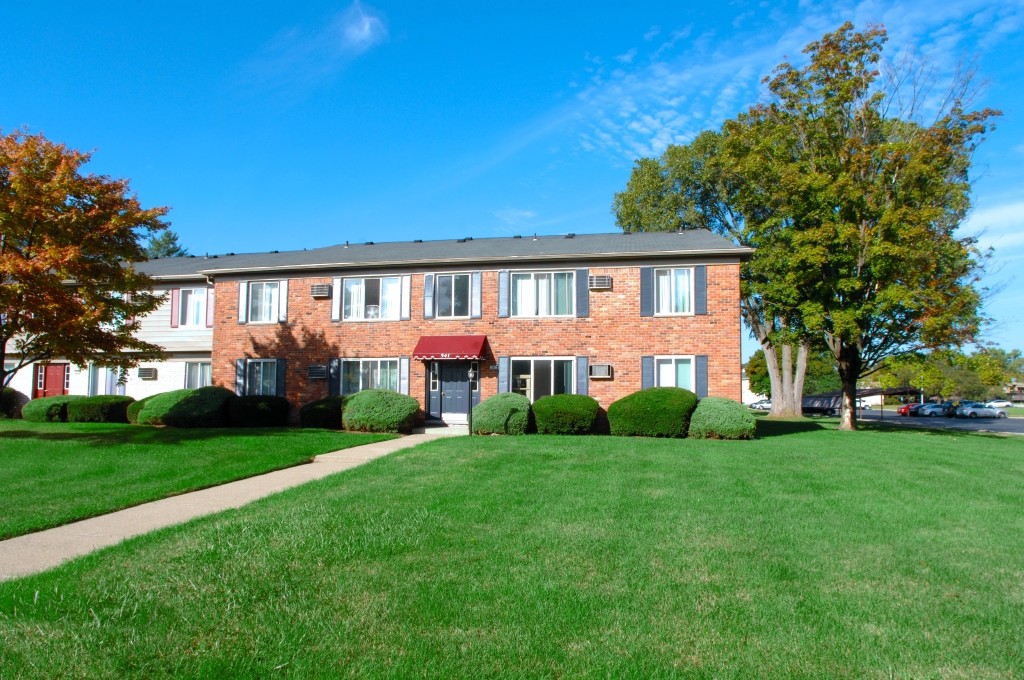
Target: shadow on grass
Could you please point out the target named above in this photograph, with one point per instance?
(770, 427)
(925, 428)
(107, 435)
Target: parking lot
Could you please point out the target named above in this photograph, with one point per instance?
(1002, 425)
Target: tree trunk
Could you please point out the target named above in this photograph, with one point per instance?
(798, 378)
(848, 362)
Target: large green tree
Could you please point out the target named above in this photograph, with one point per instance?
(67, 240)
(821, 374)
(852, 203)
(165, 244)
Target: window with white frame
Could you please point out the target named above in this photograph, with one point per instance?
(536, 378)
(543, 293)
(264, 301)
(192, 307)
(368, 374)
(674, 372)
(673, 291)
(372, 298)
(261, 377)
(197, 374)
(451, 296)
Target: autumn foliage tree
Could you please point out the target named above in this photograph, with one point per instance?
(68, 288)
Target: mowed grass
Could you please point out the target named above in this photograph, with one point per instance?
(55, 473)
(811, 554)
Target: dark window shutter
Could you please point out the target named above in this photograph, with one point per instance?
(700, 289)
(504, 377)
(701, 377)
(175, 306)
(334, 377)
(209, 307)
(582, 293)
(503, 294)
(475, 294)
(428, 296)
(281, 373)
(646, 372)
(647, 291)
(582, 375)
(243, 301)
(240, 377)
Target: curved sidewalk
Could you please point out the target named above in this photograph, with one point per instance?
(33, 553)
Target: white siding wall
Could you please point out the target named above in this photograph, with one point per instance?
(156, 328)
(24, 380)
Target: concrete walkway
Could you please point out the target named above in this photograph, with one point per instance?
(44, 550)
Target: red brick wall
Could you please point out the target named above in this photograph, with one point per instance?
(614, 333)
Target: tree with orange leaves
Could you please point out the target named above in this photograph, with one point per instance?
(68, 288)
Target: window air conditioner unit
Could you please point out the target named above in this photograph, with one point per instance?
(317, 372)
(600, 283)
(601, 371)
(320, 290)
(147, 374)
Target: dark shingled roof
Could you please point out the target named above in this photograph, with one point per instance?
(507, 250)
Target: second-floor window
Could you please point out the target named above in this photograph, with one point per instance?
(451, 295)
(673, 291)
(192, 307)
(372, 298)
(264, 301)
(543, 294)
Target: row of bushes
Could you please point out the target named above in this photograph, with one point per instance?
(654, 412)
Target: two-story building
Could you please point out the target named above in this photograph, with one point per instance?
(458, 320)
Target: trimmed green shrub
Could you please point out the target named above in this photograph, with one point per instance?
(324, 413)
(107, 408)
(505, 413)
(258, 411)
(49, 409)
(134, 408)
(380, 411)
(205, 407)
(10, 401)
(565, 414)
(654, 412)
(720, 418)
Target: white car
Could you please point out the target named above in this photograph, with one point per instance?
(762, 405)
(980, 411)
(998, 403)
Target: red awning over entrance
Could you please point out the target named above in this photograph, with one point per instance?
(450, 347)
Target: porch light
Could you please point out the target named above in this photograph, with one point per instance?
(469, 409)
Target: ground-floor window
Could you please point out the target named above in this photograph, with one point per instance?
(261, 377)
(368, 374)
(676, 371)
(536, 378)
(197, 374)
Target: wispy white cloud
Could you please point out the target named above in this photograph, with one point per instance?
(515, 217)
(999, 226)
(303, 58)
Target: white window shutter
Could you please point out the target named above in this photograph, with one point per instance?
(283, 301)
(336, 300)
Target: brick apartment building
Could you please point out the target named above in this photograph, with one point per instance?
(597, 314)
(601, 314)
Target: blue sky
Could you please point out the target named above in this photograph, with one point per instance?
(277, 126)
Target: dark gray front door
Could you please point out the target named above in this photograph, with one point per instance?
(454, 387)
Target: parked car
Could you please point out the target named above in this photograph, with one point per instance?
(862, 405)
(973, 410)
(999, 403)
(762, 405)
(932, 410)
(909, 409)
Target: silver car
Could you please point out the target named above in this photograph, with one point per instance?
(980, 411)
(931, 411)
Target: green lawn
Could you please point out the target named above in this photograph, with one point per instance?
(55, 473)
(812, 553)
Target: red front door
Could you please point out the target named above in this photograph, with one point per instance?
(51, 380)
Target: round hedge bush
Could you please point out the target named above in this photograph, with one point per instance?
(565, 414)
(107, 408)
(10, 402)
(654, 412)
(135, 408)
(720, 418)
(505, 413)
(258, 411)
(204, 407)
(323, 413)
(49, 409)
(380, 411)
